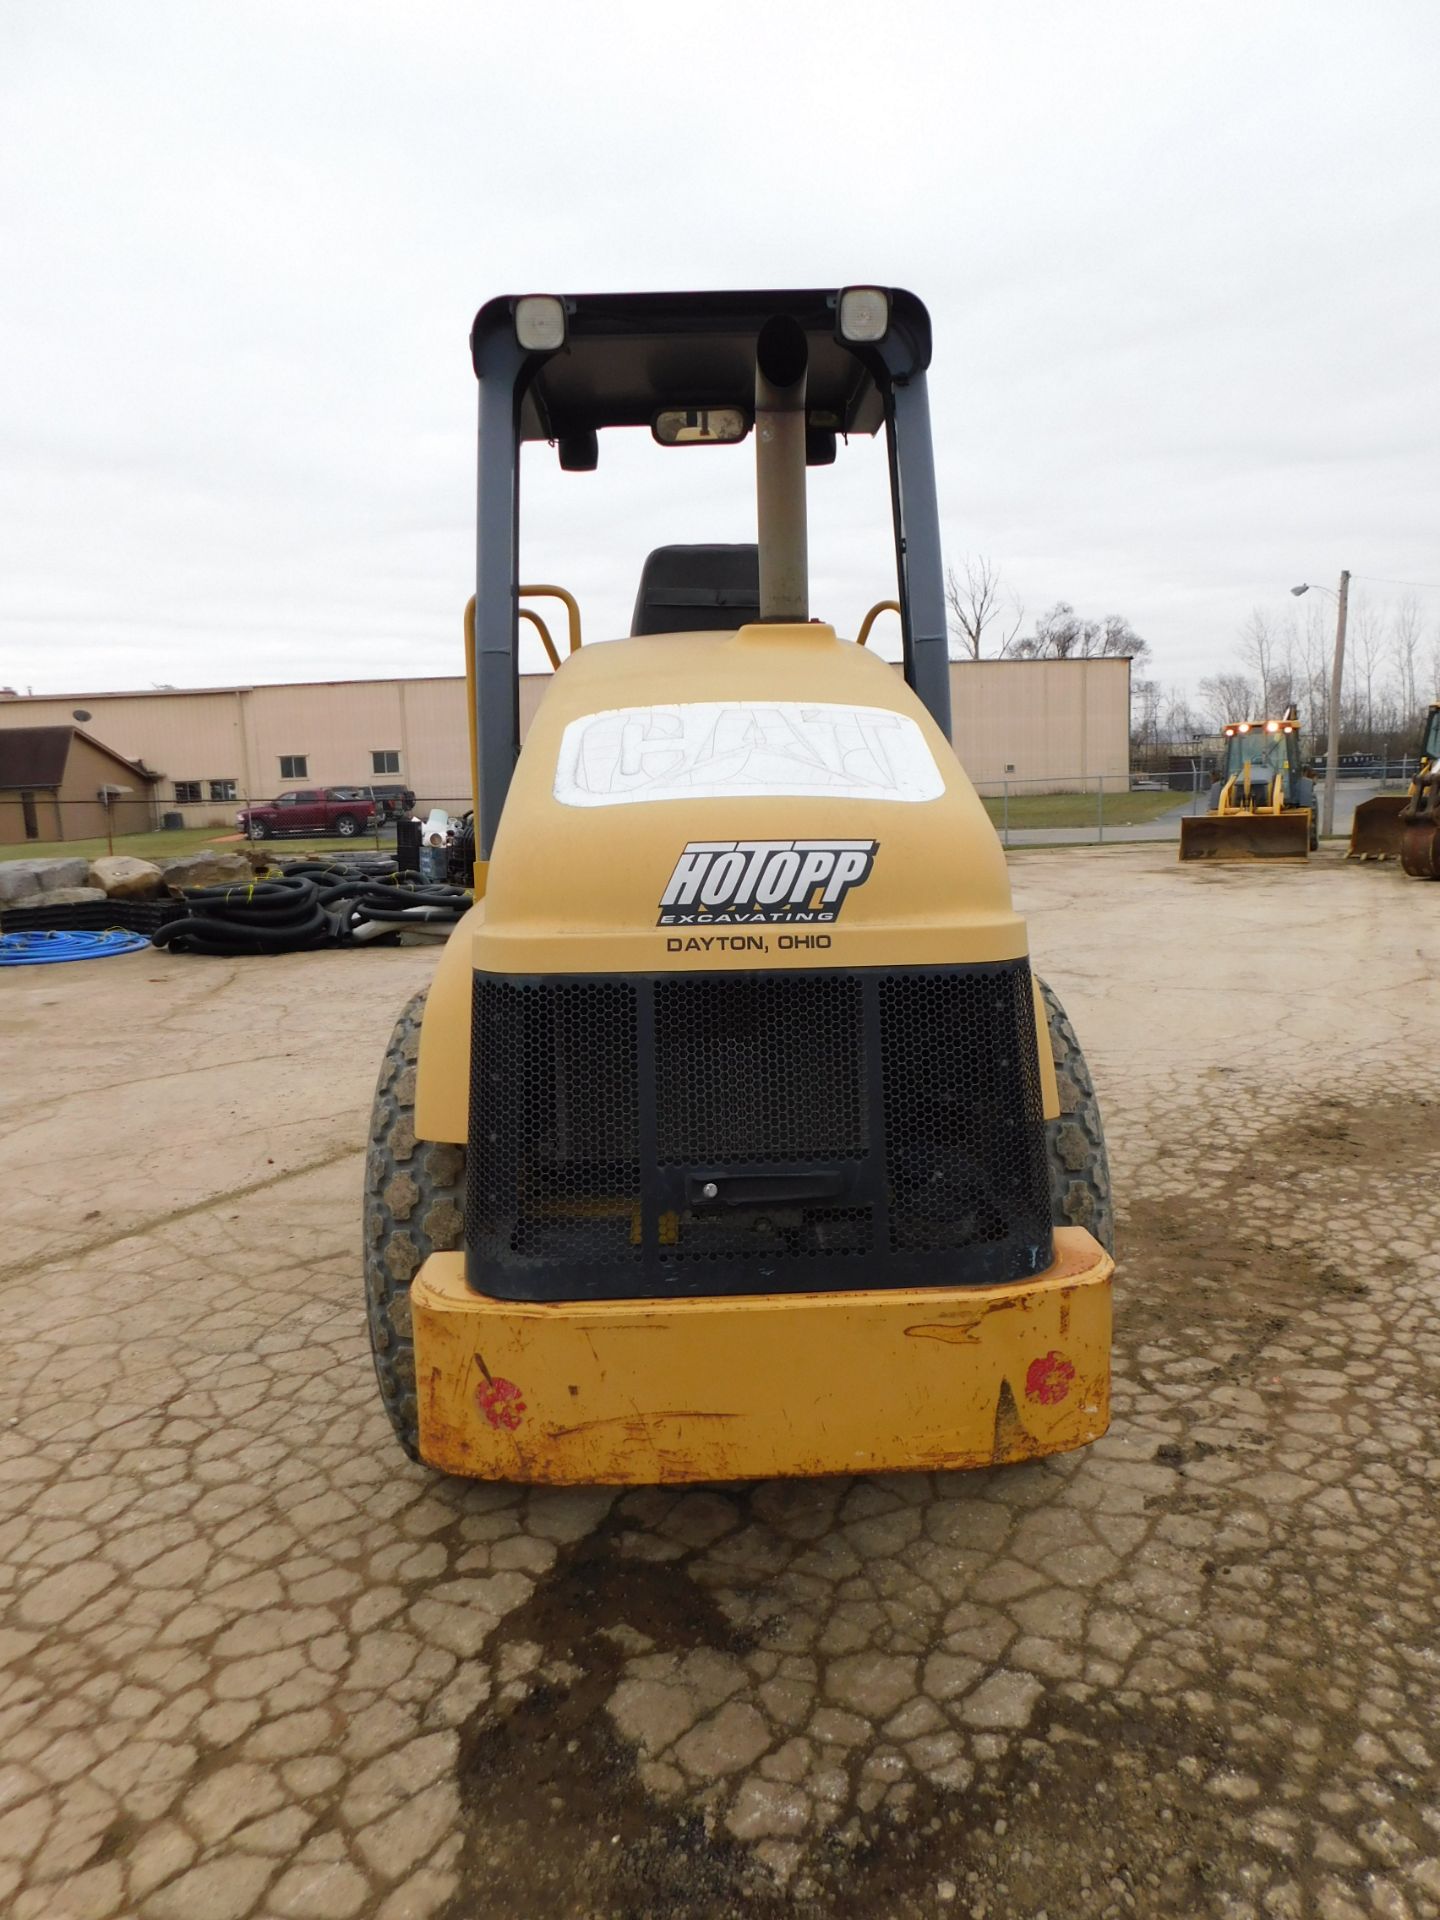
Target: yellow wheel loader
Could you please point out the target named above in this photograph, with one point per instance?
(734, 1137)
(1262, 806)
(1405, 827)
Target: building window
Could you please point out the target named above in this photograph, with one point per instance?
(385, 760)
(294, 766)
(187, 791)
(222, 790)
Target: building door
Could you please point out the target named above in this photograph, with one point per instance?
(27, 810)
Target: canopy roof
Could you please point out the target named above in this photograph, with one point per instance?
(627, 355)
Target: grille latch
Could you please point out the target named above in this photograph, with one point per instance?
(773, 1187)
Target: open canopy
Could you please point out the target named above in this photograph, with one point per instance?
(829, 360)
(628, 356)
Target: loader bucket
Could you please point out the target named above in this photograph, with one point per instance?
(1377, 831)
(1246, 836)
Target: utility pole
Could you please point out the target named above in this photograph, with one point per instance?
(1332, 748)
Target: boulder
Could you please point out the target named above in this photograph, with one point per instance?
(122, 877)
(69, 897)
(208, 869)
(17, 882)
(22, 880)
(60, 873)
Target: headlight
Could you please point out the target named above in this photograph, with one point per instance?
(864, 313)
(540, 322)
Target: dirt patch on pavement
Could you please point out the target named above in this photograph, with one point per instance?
(558, 1822)
(1185, 1253)
(1331, 1132)
(1115, 1807)
(1103, 1808)
(1234, 1285)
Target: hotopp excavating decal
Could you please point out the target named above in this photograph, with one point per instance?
(745, 882)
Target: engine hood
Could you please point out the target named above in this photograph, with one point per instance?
(768, 797)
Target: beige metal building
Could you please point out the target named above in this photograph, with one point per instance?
(1051, 724)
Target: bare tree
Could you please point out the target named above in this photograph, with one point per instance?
(1118, 639)
(974, 600)
(1284, 677)
(1146, 697)
(1315, 641)
(1063, 634)
(1405, 645)
(1259, 650)
(1230, 697)
(1366, 633)
(1391, 663)
(1181, 722)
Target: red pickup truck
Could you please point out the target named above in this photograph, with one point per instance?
(342, 810)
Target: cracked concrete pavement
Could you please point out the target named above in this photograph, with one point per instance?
(256, 1663)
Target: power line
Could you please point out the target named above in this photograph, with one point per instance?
(1376, 580)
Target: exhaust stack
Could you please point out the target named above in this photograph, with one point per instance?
(781, 358)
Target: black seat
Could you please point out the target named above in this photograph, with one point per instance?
(698, 590)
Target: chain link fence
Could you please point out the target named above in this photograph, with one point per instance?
(1090, 809)
(1098, 810)
(1082, 809)
(39, 823)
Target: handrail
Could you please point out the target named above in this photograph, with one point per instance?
(880, 606)
(469, 699)
(572, 607)
(544, 633)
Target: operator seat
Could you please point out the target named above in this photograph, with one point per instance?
(698, 590)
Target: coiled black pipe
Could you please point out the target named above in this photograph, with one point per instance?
(310, 905)
(375, 867)
(363, 908)
(272, 916)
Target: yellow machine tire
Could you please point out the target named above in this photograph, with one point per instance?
(414, 1206)
(1075, 1139)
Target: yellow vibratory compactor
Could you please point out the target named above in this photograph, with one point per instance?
(735, 1137)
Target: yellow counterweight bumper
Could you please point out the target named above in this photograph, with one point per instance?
(645, 1392)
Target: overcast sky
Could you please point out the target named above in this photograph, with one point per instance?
(1182, 263)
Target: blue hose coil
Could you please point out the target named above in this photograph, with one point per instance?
(49, 949)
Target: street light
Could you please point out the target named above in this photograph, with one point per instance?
(1332, 745)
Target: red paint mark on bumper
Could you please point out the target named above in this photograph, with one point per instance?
(1049, 1379)
(499, 1400)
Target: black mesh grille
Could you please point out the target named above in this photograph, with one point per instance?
(759, 1067)
(704, 1133)
(964, 1138)
(554, 1162)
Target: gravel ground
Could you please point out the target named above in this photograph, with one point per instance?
(255, 1663)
